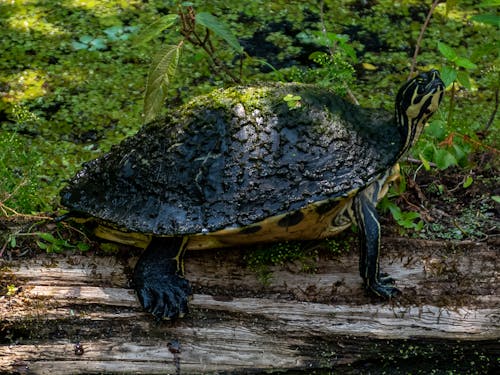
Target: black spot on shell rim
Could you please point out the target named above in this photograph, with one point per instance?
(291, 219)
(251, 229)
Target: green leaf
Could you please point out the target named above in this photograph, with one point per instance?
(155, 29)
(468, 182)
(496, 198)
(465, 63)
(78, 45)
(13, 242)
(448, 75)
(425, 162)
(464, 79)
(436, 129)
(489, 19)
(489, 3)
(419, 226)
(42, 245)
(82, 246)
(460, 153)
(47, 237)
(97, 45)
(86, 39)
(212, 23)
(160, 75)
(444, 159)
(447, 51)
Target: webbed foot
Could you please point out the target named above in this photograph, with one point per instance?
(158, 278)
(165, 295)
(384, 287)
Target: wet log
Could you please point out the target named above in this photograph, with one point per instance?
(77, 314)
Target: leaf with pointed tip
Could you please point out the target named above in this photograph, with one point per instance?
(160, 75)
(448, 75)
(212, 23)
(447, 51)
(155, 28)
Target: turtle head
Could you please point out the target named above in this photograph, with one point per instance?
(416, 101)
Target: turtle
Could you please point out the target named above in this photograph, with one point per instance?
(247, 165)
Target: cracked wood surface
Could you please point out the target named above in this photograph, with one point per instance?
(297, 321)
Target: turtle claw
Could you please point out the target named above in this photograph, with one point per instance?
(383, 288)
(384, 278)
(164, 296)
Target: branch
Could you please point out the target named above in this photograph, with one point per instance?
(421, 36)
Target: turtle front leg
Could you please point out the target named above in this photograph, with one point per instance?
(159, 278)
(369, 238)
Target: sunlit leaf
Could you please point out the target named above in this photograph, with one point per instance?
(155, 29)
(465, 63)
(212, 23)
(448, 75)
(368, 66)
(468, 182)
(447, 51)
(425, 162)
(496, 198)
(160, 75)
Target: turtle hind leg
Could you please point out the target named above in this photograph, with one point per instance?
(159, 278)
(376, 282)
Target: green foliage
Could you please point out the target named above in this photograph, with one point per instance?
(213, 24)
(61, 106)
(113, 34)
(165, 63)
(51, 244)
(450, 74)
(405, 219)
(335, 69)
(19, 166)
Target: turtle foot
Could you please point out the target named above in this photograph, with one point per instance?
(164, 296)
(385, 279)
(383, 287)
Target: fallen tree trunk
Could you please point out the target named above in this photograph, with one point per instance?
(77, 314)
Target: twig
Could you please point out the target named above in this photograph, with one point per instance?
(493, 115)
(421, 36)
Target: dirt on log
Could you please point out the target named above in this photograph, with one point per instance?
(76, 314)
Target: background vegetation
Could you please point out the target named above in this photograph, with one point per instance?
(73, 76)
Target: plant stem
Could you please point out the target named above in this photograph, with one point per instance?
(421, 36)
(452, 105)
(493, 115)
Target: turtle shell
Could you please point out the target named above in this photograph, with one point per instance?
(236, 157)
